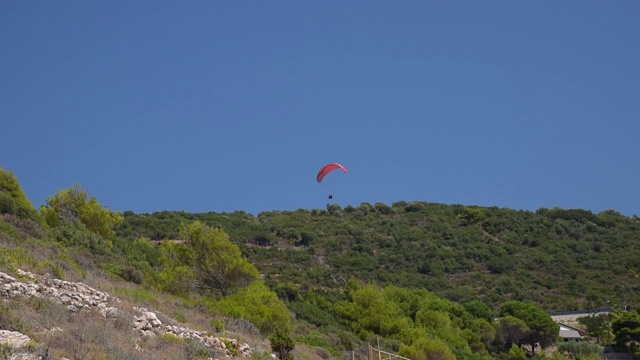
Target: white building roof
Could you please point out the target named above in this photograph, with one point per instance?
(567, 332)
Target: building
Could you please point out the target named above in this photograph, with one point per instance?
(569, 333)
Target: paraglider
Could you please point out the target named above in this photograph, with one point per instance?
(326, 170)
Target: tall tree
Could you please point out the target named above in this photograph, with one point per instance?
(218, 264)
(626, 330)
(510, 331)
(542, 329)
(597, 326)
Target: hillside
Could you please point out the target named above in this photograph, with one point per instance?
(423, 280)
(560, 259)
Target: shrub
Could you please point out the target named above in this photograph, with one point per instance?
(414, 207)
(179, 317)
(346, 340)
(580, 349)
(9, 321)
(282, 344)
(230, 346)
(136, 293)
(8, 229)
(75, 205)
(131, 274)
(12, 198)
(68, 265)
(312, 314)
(12, 258)
(197, 350)
(306, 238)
(24, 227)
(51, 268)
(7, 204)
(73, 233)
(257, 304)
(265, 239)
(171, 338)
(265, 355)
(6, 351)
(218, 325)
(318, 340)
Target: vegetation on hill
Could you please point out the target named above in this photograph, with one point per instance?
(424, 280)
(559, 259)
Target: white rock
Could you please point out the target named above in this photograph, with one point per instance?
(109, 312)
(30, 292)
(6, 277)
(13, 338)
(150, 315)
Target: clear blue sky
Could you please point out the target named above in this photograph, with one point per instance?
(235, 105)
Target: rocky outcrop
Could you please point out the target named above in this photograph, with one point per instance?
(77, 296)
(18, 344)
(81, 297)
(14, 339)
(147, 324)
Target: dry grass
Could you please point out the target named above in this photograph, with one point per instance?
(173, 310)
(73, 335)
(306, 352)
(25, 227)
(87, 335)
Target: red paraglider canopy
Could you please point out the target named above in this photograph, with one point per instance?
(327, 169)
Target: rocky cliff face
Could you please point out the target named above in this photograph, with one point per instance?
(79, 297)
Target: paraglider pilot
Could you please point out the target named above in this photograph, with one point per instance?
(327, 169)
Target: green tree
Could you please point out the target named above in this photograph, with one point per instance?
(479, 309)
(427, 348)
(257, 304)
(626, 331)
(517, 353)
(371, 312)
(471, 215)
(597, 326)
(12, 198)
(282, 344)
(74, 205)
(287, 292)
(485, 333)
(73, 233)
(542, 329)
(176, 268)
(218, 264)
(510, 331)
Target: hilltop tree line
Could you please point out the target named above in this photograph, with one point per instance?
(406, 274)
